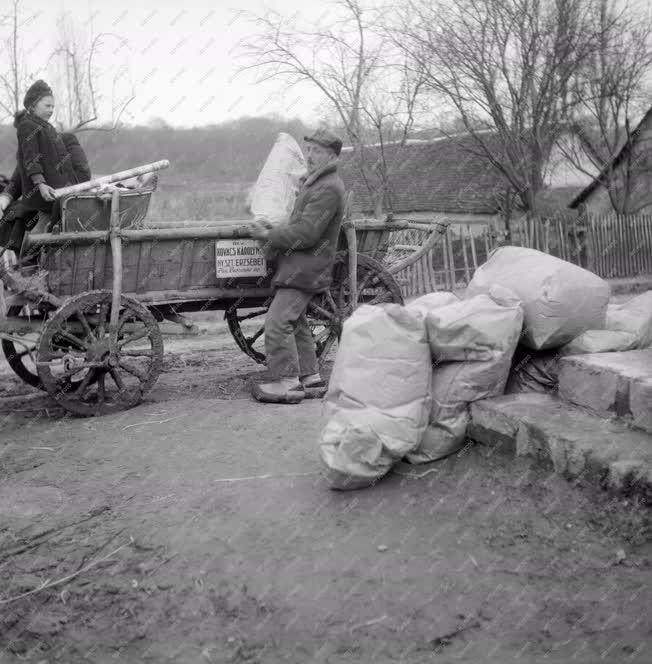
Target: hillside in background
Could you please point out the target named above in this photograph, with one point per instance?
(232, 152)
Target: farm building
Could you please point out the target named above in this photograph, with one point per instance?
(426, 179)
(443, 178)
(625, 183)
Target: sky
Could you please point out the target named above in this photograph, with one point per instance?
(179, 59)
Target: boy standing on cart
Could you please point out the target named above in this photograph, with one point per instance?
(306, 247)
(46, 160)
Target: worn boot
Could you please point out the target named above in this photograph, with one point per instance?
(285, 390)
(314, 387)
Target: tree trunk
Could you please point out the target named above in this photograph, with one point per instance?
(378, 203)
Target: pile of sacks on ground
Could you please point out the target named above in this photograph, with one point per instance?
(404, 376)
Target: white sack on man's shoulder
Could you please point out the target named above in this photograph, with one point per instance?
(274, 193)
(378, 397)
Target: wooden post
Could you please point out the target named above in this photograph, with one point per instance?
(432, 278)
(116, 259)
(604, 248)
(604, 252)
(609, 233)
(474, 255)
(422, 276)
(578, 243)
(624, 256)
(562, 244)
(614, 250)
(465, 257)
(646, 248)
(451, 264)
(637, 243)
(597, 256)
(444, 248)
(647, 228)
(615, 241)
(540, 235)
(352, 245)
(590, 249)
(597, 245)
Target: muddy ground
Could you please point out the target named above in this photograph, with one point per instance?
(197, 528)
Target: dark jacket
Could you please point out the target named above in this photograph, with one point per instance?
(308, 241)
(41, 157)
(77, 157)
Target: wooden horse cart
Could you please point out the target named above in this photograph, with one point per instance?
(82, 305)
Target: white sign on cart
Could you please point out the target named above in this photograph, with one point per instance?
(239, 258)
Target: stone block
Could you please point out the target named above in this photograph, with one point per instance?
(610, 384)
(574, 441)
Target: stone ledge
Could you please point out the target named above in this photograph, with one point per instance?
(575, 442)
(610, 384)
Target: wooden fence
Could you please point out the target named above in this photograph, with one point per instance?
(449, 266)
(611, 246)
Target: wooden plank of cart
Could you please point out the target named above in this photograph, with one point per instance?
(84, 302)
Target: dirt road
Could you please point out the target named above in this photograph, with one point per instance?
(197, 528)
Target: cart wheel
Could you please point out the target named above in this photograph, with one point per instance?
(89, 375)
(326, 312)
(21, 358)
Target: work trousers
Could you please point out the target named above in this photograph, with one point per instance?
(289, 345)
(17, 220)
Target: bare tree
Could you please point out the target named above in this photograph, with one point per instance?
(13, 72)
(372, 92)
(507, 66)
(77, 75)
(611, 89)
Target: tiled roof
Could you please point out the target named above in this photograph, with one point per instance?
(556, 200)
(441, 175)
(602, 178)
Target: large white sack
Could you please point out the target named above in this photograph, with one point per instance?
(560, 300)
(456, 384)
(600, 341)
(634, 316)
(477, 328)
(445, 434)
(378, 396)
(274, 193)
(432, 301)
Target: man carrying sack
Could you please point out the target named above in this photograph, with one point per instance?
(305, 248)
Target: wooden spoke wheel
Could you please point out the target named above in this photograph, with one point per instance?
(21, 357)
(89, 371)
(326, 312)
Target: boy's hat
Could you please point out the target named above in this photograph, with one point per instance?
(327, 139)
(36, 91)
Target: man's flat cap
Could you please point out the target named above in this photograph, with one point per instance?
(326, 138)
